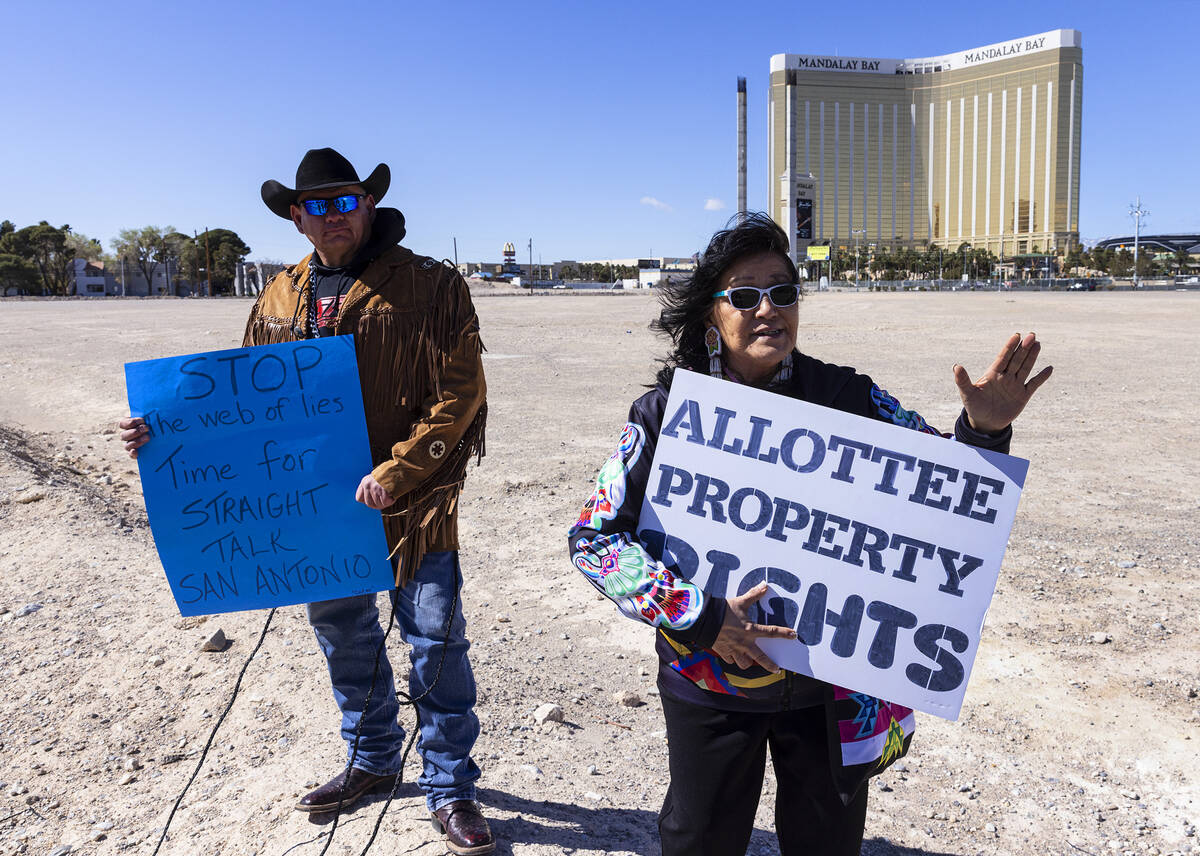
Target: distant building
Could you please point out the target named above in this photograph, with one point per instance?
(94, 279)
(250, 278)
(663, 269)
(977, 147)
(91, 280)
(1188, 243)
(651, 271)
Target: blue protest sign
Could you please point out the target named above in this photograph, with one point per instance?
(250, 474)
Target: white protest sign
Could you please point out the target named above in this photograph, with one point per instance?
(881, 544)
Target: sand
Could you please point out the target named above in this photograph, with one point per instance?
(1081, 727)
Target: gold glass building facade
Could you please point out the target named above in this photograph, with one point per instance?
(977, 147)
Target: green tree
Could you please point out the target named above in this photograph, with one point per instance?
(930, 263)
(840, 262)
(145, 248)
(1122, 263)
(883, 264)
(954, 262)
(17, 274)
(191, 258)
(228, 251)
(1074, 259)
(174, 244)
(979, 263)
(83, 247)
(48, 249)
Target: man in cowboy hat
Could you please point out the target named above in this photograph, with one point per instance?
(417, 341)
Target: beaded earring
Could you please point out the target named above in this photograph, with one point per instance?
(712, 341)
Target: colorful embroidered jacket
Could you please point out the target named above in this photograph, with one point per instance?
(606, 548)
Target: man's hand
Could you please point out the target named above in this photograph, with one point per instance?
(1001, 393)
(371, 494)
(135, 433)
(737, 641)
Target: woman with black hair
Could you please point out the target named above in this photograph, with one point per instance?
(724, 700)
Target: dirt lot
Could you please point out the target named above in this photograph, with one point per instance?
(1081, 728)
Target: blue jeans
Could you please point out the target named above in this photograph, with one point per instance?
(349, 634)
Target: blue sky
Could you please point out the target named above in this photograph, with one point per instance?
(597, 130)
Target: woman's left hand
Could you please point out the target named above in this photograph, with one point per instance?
(1000, 394)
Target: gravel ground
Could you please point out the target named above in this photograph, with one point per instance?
(1081, 725)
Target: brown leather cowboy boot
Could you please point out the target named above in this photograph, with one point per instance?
(464, 827)
(327, 797)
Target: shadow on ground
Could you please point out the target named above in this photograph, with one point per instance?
(570, 826)
(883, 847)
(590, 828)
(600, 828)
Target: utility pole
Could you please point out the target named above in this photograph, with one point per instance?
(1137, 212)
(208, 266)
(455, 253)
(531, 267)
(194, 273)
(741, 147)
(123, 291)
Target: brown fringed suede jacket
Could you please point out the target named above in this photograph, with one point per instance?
(417, 341)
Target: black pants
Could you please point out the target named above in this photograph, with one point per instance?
(717, 763)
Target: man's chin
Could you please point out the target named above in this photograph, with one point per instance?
(336, 244)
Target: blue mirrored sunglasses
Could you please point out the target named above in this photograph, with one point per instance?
(746, 297)
(344, 204)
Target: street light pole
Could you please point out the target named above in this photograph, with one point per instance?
(858, 233)
(1137, 212)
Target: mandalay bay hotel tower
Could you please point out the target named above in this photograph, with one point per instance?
(977, 147)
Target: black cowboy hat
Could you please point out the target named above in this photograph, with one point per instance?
(322, 169)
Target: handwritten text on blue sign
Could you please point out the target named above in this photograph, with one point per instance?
(250, 474)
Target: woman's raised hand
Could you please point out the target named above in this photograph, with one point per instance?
(1000, 394)
(738, 640)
